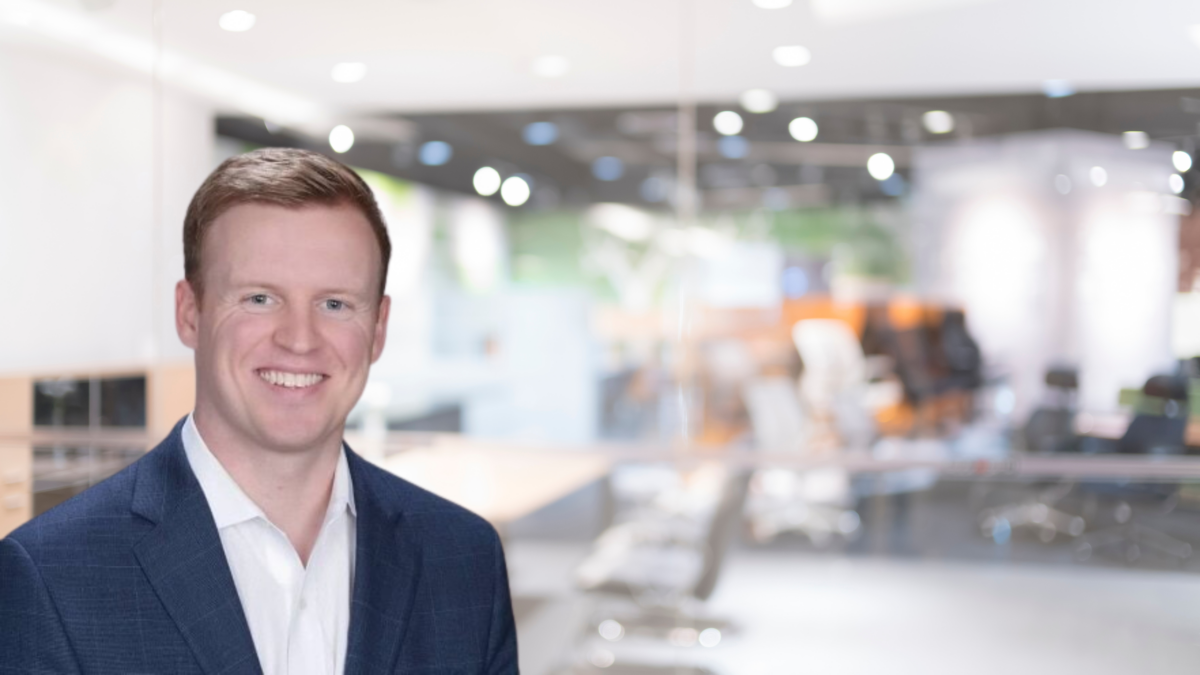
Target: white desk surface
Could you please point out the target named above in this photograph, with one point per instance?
(500, 483)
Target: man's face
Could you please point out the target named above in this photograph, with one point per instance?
(287, 327)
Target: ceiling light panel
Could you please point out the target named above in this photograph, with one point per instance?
(349, 72)
(551, 66)
(791, 56)
(237, 21)
(728, 123)
(759, 101)
(938, 122)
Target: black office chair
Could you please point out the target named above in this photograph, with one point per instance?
(1161, 419)
(1157, 428)
(959, 352)
(1051, 427)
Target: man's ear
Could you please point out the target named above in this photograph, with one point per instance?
(381, 322)
(187, 314)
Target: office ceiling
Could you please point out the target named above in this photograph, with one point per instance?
(775, 171)
(458, 55)
(473, 73)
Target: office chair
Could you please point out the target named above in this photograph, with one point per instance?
(1157, 429)
(667, 568)
(959, 352)
(815, 503)
(1159, 423)
(938, 365)
(1050, 429)
(833, 385)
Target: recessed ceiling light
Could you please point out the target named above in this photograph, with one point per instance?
(486, 181)
(514, 191)
(1057, 88)
(1182, 161)
(893, 186)
(881, 166)
(608, 168)
(727, 123)
(551, 66)
(772, 4)
(349, 72)
(1136, 140)
(655, 189)
(341, 138)
(938, 122)
(435, 153)
(540, 133)
(1098, 175)
(1175, 182)
(759, 100)
(803, 129)
(791, 56)
(237, 21)
(733, 147)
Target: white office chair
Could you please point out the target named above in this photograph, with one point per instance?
(815, 503)
(834, 384)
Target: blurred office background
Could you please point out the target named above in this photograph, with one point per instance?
(837, 336)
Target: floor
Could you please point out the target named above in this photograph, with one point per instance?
(794, 612)
(920, 588)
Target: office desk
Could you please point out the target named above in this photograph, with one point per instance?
(506, 481)
(501, 484)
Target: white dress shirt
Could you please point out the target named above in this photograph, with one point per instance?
(299, 617)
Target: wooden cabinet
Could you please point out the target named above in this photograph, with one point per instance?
(16, 486)
(131, 409)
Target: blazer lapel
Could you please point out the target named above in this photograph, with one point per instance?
(386, 577)
(184, 561)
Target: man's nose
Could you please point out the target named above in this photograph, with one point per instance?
(297, 330)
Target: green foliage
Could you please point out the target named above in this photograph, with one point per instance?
(859, 245)
(546, 248)
(397, 190)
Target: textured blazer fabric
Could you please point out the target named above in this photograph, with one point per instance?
(129, 577)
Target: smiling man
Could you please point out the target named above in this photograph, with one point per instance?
(252, 540)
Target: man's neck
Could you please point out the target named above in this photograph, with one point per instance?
(291, 487)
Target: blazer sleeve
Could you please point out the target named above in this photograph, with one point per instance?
(502, 637)
(32, 637)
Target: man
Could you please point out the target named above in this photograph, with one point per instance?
(251, 540)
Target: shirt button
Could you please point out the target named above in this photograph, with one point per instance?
(303, 604)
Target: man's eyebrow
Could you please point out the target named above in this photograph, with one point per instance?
(345, 291)
(244, 284)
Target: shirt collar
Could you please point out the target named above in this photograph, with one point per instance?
(229, 504)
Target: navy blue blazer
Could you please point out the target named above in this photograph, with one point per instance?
(130, 577)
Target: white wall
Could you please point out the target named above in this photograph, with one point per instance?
(547, 390)
(86, 281)
(1085, 278)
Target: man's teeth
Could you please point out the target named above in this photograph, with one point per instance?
(290, 380)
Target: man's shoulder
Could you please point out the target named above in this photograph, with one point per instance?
(97, 516)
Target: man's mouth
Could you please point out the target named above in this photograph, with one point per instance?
(291, 380)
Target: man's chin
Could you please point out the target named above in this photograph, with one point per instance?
(297, 437)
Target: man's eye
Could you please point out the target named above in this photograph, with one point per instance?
(335, 305)
(258, 299)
